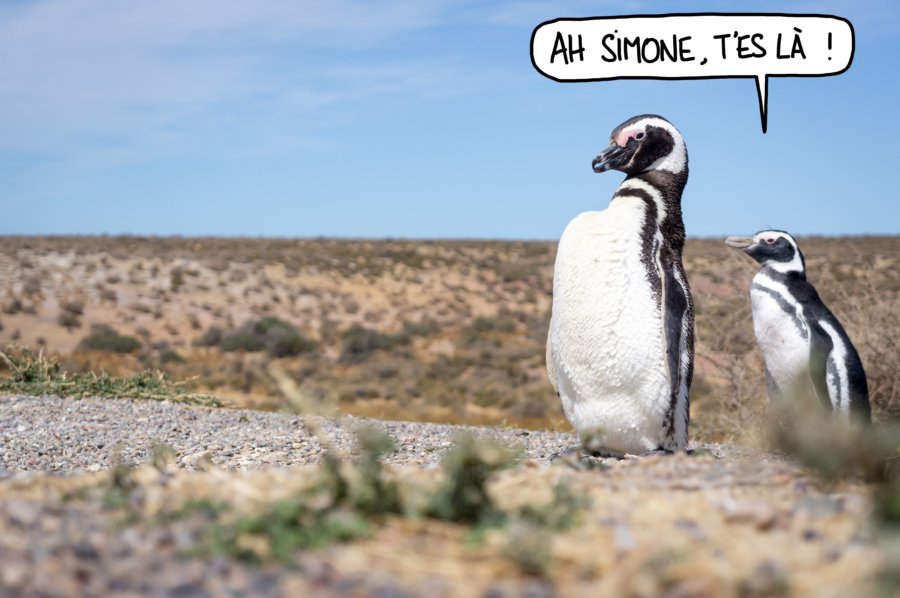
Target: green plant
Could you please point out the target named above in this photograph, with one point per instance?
(463, 495)
(529, 546)
(482, 325)
(170, 356)
(348, 500)
(211, 338)
(360, 342)
(105, 338)
(336, 507)
(13, 305)
(274, 335)
(284, 528)
(423, 328)
(836, 449)
(176, 279)
(242, 340)
(120, 483)
(374, 493)
(38, 375)
(561, 513)
(290, 344)
(68, 320)
(73, 306)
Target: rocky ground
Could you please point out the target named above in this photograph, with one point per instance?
(720, 521)
(61, 435)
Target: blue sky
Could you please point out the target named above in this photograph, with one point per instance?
(407, 119)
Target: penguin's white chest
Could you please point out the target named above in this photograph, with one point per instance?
(781, 332)
(606, 340)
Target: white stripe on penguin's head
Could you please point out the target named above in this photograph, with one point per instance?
(644, 143)
(778, 250)
(676, 159)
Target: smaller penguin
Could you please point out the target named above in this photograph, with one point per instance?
(797, 334)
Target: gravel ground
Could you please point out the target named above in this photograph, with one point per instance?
(66, 435)
(684, 525)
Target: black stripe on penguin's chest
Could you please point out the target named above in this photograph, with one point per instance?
(671, 229)
(649, 241)
(785, 307)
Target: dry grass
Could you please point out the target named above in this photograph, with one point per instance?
(443, 331)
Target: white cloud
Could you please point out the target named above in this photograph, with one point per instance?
(153, 74)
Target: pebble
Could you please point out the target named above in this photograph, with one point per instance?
(761, 514)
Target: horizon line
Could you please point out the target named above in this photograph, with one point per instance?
(386, 238)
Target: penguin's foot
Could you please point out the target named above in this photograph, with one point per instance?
(702, 452)
(592, 445)
(654, 453)
(600, 453)
(658, 451)
(580, 459)
(579, 452)
(569, 452)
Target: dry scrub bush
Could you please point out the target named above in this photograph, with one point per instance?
(32, 286)
(108, 295)
(70, 314)
(74, 306)
(105, 338)
(271, 334)
(68, 320)
(12, 304)
(735, 386)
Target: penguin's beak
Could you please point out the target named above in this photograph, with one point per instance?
(612, 157)
(739, 242)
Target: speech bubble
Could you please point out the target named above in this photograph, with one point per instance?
(694, 46)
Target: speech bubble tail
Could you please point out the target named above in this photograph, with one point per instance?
(762, 91)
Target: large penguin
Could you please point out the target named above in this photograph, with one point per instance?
(803, 344)
(621, 343)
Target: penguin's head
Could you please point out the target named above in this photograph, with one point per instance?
(774, 248)
(643, 143)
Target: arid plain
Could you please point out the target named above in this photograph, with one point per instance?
(447, 331)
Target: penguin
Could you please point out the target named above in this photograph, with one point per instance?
(799, 337)
(620, 348)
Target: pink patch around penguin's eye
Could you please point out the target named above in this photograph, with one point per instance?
(770, 241)
(623, 137)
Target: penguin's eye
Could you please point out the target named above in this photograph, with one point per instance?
(770, 241)
(639, 136)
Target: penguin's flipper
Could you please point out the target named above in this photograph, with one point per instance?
(860, 409)
(674, 311)
(820, 348)
(676, 314)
